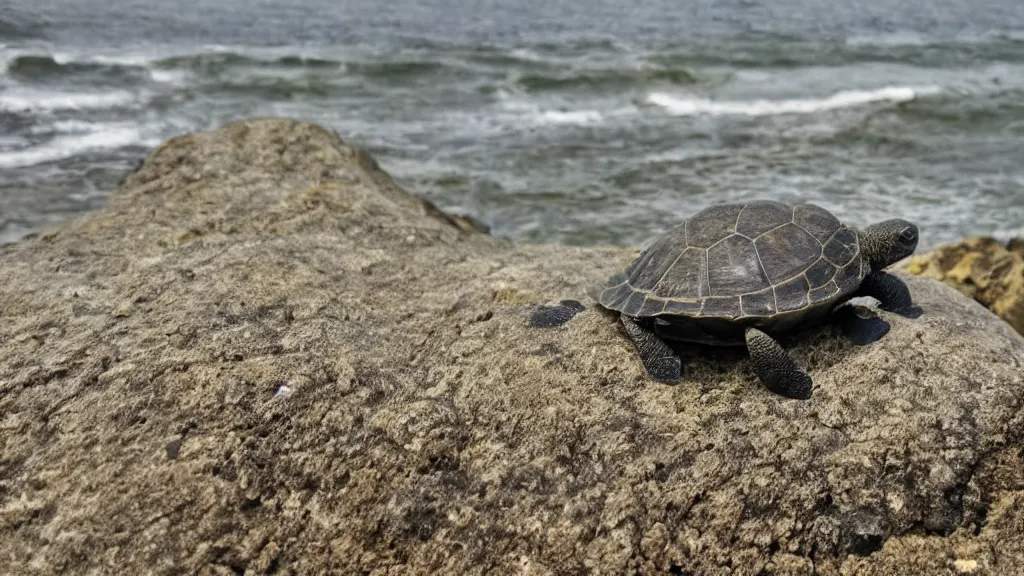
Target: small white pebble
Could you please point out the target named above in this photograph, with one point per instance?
(410, 238)
(284, 390)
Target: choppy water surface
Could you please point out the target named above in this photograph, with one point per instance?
(580, 122)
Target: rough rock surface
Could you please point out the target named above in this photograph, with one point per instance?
(984, 269)
(265, 357)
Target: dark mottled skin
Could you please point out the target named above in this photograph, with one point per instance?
(555, 315)
(661, 363)
(775, 368)
(891, 292)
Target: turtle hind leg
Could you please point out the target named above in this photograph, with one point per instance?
(775, 368)
(891, 293)
(659, 360)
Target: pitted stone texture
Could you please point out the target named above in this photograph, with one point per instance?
(324, 374)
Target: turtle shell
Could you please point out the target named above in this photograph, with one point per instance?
(742, 261)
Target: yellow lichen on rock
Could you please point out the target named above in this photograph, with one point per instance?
(984, 269)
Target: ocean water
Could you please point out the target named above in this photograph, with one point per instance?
(572, 122)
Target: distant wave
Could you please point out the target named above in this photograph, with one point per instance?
(379, 69)
(29, 101)
(605, 79)
(897, 48)
(517, 109)
(226, 59)
(677, 105)
(394, 69)
(63, 147)
(903, 38)
(34, 66)
(10, 29)
(168, 76)
(582, 117)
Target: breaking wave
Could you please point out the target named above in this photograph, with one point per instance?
(36, 101)
(598, 79)
(63, 147)
(694, 106)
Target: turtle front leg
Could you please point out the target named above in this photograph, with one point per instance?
(891, 293)
(659, 360)
(775, 368)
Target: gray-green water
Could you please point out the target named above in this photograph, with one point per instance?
(573, 122)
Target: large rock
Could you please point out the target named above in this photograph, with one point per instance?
(265, 357)
(984, 269)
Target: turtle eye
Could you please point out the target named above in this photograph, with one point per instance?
(908, 234)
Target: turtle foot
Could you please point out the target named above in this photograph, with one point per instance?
(659, 360)
(892, 294)
(775, 368)
(548, 316)
(667, 370)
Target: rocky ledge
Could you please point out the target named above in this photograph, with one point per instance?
(264, 357)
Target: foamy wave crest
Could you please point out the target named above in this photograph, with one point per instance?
(68, 146)
(519, 108)
(136, 60)
(66, 126)
(18, 102)
(582, 117)
(693, 106)
(167, 76)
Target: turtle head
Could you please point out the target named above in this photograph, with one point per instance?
(888, 242)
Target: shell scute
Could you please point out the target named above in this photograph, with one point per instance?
(734, 268)
(820, 273)
(759, 303)
(712, 224)
(816, 221)
(787, 251)
(793, 294)
(759, 217)
(682, 307)
(728, 306)
(684, 277)
(842, 248)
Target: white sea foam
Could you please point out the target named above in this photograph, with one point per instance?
(122, 59)
(580, 117)
(167, 76)
(66, 146)
(1006, 234)
(109, 59)
(528, 55)
(21, 101)
(7, 55)
(680, 105)
(518, 108)
(67, 126)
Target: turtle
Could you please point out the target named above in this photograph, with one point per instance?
(738, 274)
